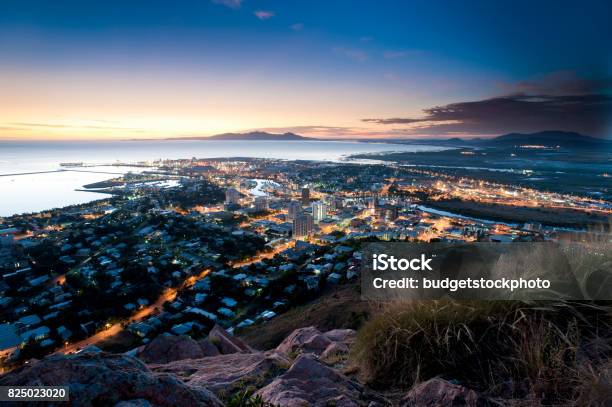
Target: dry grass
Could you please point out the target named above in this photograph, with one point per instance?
(340, 307)
(509, 350)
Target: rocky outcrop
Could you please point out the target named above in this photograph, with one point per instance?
(330, 346)
(167, 348)
(108, 379)
(183, 372)
(227, 343)
(226, 374)
(304, 340)
(439, 392)
(208, 348)
(310, 383)
(334, 353)
(345, 336)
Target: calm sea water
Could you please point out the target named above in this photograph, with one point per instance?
(36, 192)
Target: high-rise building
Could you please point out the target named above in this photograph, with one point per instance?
(372, 203)
(302, 225)
(319, 211)
(387, 212)
(336, 203)
(294, 209)
(232, 196)
(305, 196)
(261, 204)
(391, 212)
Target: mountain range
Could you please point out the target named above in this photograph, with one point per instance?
(552, 138)
(254, 136)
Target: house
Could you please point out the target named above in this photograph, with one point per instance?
(29, 320)
(268, 314)
(35, 282)
(202, 285)
(64, 333)
(226, 312)
(47, 343)
(201, 312)
(245, 323)
(334, 278)
(141, 329)
(312, 282)
(37, 334)
(229, 302)
(185, 328)
(129, 307)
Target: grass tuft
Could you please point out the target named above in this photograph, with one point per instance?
(550, 352)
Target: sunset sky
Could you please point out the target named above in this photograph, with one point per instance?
(148, 69)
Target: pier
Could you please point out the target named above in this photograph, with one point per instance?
(61, 170)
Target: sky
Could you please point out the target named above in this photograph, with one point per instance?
(375, 69)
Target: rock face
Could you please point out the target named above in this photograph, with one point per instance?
(167, 348)
(227, 343)
(107, 379)
(329, 345)
(208, 348)
(225, 374)
(183, 372)
(310, 383)
(439, 392)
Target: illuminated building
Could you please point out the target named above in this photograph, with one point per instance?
(302, 225)
(232, 196)
(319, 211)
(261, 204)
(294, 209)
(305, 196)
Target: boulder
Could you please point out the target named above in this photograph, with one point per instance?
(208, 348)
(311, 340)
(334, 353)
(304, 340)
(167, 348)
(345, 336)
(226, 374)
(227, 343)
(107, 379)
(439, 392)
(310, 383)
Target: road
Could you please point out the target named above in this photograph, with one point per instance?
(264, 255)
(169, 294)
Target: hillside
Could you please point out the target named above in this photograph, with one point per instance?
(252, 136)
(545, 138)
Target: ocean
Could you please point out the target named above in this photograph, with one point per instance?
(25, 188)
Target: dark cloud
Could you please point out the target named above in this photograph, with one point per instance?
(559, 100)
(559, 83)
(584, 113)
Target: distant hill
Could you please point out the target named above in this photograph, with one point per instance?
(551, 138)
(253, 136)
(545, 138)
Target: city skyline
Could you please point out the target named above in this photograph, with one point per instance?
(122, 71)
